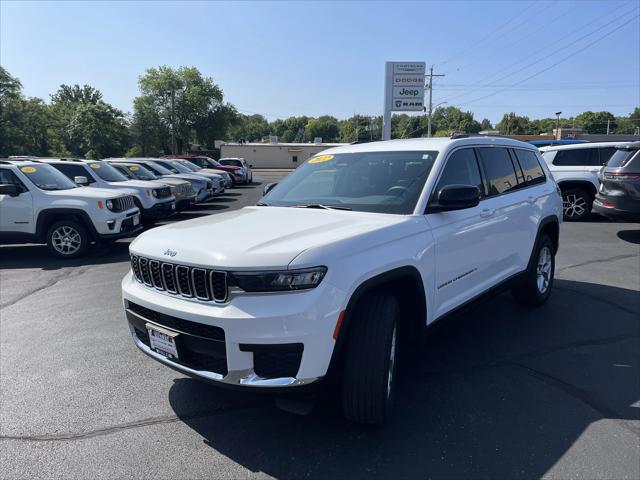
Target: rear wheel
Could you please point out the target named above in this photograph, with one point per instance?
(372, 349)
(576, 204)
(68, 239)
(536, 287)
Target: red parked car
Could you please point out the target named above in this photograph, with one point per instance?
(208, 162)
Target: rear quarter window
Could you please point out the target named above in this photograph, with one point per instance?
(530, 165)
(500, 174)
(582, 157)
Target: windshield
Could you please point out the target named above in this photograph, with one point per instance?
(106, 172)
(233, 163)
(140, 173)
(158, 169)
(175, 166)
(191, 166)
(46, 177)
(622, 157)
(382, 182)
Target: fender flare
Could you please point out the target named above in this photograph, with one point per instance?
(43, 214)
(360, 292)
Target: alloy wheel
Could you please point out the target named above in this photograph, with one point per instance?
(66, 240)
(543, 270)
(574, 206)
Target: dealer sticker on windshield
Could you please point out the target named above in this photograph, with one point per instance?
(28, 169)
(321, 158)
(94, 165)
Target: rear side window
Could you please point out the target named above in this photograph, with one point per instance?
(530, 165)
(498, 169)
(622, 158)
(581, 157)
(72, 171)
(461, 169)
(605, 154)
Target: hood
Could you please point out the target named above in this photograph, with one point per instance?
(146, 184)
(257, 237)
(213, 171)
(174, 181)
(89, 192)
(187, 176)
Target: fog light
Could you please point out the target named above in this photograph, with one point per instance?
(111, 224)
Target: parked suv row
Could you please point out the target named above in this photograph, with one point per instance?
(358, 249)
(33, 209)
(576, 168)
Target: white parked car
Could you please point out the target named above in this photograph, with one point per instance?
(38, 204)
(575, 169)
(359, 247)
(154, 199)
(244, 174)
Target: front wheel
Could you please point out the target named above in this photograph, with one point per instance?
(536, 287)
(576, 204)
(372, 349)
(68, 239)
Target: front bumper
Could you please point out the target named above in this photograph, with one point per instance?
(121, 227)
(247, 329)
(159, 211)
(185, 203)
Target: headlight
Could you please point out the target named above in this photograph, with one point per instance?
(278, 281)
(109, 204)
(154, 193)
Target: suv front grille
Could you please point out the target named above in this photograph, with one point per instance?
(121, 204)
(163, 192)
(183, 280)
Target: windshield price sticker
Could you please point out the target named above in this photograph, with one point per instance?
(321, 158)
(28, 170)
(134, 168)
(94, 165)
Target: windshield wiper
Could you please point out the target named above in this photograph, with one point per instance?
(321, 206)
(262, 204)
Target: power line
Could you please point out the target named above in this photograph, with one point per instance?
(544, 55)
(540, 72)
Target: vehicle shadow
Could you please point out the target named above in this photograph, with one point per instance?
(499, 391)
(38, 256)
(631, 236)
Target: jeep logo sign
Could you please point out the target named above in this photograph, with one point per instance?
(170, 253)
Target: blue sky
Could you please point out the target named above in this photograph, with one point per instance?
(314, 58)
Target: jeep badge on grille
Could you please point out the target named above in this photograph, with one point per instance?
(170, 253)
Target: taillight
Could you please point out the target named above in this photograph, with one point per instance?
(621, 176)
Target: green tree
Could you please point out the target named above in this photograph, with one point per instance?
(452, 118)
(183, 99)
(512, 124)
(595, 122)
(23, 122)
(486, 124)
(325, 127)
(290, 129)
(250, 128)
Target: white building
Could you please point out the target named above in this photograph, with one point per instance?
(274, 155)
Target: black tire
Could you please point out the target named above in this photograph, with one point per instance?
(68, 239)
(576, 204)
(367, 392)
(529, 291)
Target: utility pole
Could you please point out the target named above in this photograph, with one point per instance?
(430, 87)
(173, 122)
(558, 125)
(608, 125)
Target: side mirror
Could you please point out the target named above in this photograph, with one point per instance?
(251, 165)
(81, 180)
(10, 189)
(268, 187)
(455, 197)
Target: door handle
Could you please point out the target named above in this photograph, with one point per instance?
(486, 212)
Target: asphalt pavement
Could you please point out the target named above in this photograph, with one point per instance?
(499, 391)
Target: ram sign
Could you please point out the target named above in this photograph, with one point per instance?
(407, 84)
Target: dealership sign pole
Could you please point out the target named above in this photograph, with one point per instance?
(403, 91)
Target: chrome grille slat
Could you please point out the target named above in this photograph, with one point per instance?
(190, 282)
(183, 279)
(169, 277)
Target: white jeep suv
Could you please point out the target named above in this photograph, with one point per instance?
(575, 169)
(359, 247)
(40, 204)
(154, 199)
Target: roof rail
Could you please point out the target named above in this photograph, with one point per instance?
(472, 135)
